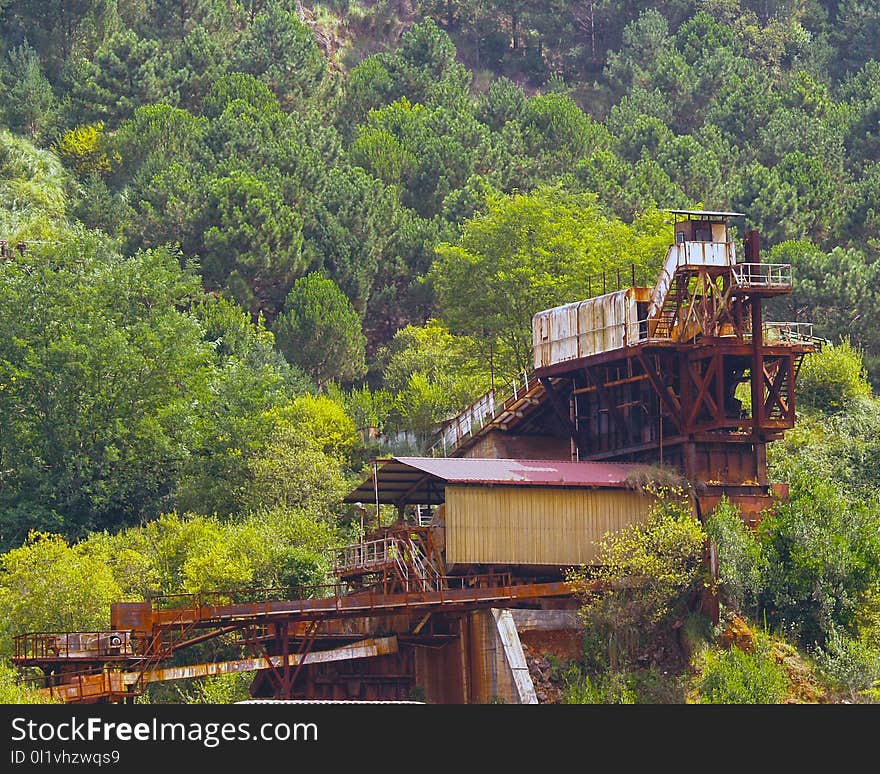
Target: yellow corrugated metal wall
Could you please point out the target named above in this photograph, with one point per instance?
(534, 525)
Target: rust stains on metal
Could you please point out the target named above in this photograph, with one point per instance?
(457, 592)
(379, 646)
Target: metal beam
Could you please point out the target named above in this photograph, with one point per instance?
(667, 396)
(367, 648)
(606, 399)
(561, 412)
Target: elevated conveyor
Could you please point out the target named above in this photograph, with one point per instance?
(118, 664)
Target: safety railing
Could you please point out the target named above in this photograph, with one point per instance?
(244, 595)
(211, 604)
(684, 255)
(367, 555)
(605, 282)
(479, 414)
(86, 687)
(762, 275)
(424, 517)
(66, 645)
(792, 332)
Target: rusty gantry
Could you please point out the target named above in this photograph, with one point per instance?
(685, 374)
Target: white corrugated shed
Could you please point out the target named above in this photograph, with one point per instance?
(585, 328)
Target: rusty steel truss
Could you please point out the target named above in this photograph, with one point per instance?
(296, 646)
(698, 380)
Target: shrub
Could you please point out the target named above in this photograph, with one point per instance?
(833, 379)
(851, 663)
(608, 688)
(14, 691)
(650, 574)
(219, 689)
(823, 553)
(742, 564)
(83, 150)
(736, 677)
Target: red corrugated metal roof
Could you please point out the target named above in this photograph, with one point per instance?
(461, 470)
(422, 479)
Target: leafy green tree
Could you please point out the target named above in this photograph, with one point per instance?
(53, 26)
(433, 351)
(862, 220)
(153, 138)
(694, 165)
(553, 125)
(425, 67)
(855, 32)
(837, 445)
(703, 34)
(402, 293)
(431, 375)
(833, 290)
(861, 108)
(833, 379)
(252, 240)
(369, 409)
(199, 61)
(823, 557)
(528, 253)
(289, 547)
(302, 458)
(100, 371)
(33, 191)
(742, 564)
(171, 19)
(502, 103)
(320, 331)
(249, 378)
(83, 149)
(48, 585)
(176, 553)
(645, 41)
(368, 86)
(233, 87)
(348, 228)
(125, 72)
(428, 152)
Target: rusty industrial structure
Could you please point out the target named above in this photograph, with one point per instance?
(685, 375)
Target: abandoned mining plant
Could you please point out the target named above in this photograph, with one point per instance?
(686, 374)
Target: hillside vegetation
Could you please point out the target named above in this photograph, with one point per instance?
(264, 241)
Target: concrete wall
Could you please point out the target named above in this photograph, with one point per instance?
(498, 445)
(496, 668)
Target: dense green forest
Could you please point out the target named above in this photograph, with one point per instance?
(251, 244)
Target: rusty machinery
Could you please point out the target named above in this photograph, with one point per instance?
(116, 665)
(686, 374)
